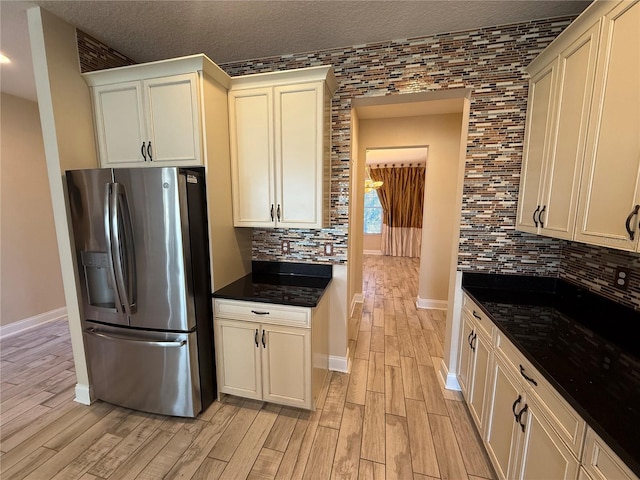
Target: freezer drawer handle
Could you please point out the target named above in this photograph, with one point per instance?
(259, 312)
(175, 343)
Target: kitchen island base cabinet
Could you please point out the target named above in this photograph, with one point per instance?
(269, 352)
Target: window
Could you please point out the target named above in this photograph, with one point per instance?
(372, 213)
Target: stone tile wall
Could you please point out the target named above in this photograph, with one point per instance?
(489, 61)
(594, 268)
(95, 55)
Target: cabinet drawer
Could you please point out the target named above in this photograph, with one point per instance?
(563, 418)
(263, 312)
(601, 463)
(478, 316)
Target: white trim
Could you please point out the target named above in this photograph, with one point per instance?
(372, 252)
(357, 298)
(84, 394)
(424, 303)
(339, 364)
(22, 326)
(450, 380)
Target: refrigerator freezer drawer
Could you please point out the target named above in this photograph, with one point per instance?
(148, 371)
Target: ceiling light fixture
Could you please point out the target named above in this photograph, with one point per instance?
(4, 58)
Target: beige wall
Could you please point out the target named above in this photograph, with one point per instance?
(67, 130)
(441, 133)
(356, 219)
(30, 274)
(372, 243)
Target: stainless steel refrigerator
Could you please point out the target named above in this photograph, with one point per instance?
(142, 247)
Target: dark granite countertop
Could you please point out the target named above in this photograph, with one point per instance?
(586, 346)
(284, 283)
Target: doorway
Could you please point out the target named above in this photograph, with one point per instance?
(439, 121)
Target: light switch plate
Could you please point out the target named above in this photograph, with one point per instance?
(328, 249)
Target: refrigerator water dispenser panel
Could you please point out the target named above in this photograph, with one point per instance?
(96, 274)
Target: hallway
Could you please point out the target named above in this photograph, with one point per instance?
(389, 418)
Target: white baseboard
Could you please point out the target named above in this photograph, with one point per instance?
(425, 303)
(339, 364)
(84, 394)
(450, 380)
(372, 252)
(357, 298)
(22, 326)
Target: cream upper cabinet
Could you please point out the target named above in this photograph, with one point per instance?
(280, 148)
(148, 121)
(119, 123)
(557, 117)
(610, 191)
(155, 113)
(251, 137)
(538, 120)
(581, 166)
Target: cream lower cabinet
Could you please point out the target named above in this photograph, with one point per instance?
(600, 463)
(520, 440)
(475, 354)
(271, 352)
(280, 137)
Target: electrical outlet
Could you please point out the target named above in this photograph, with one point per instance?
(285, 247)
(621, 281)
(328, 249)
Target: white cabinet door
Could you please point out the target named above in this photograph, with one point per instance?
(119, 117)
(298, 153)
(539, 111)
(543, 455)
(173, 119)
(610, 188)
(480, 372)
(465, 356)
(505, 401)
(251, 137)
(286, 365)
(238, 358)
(572, 99)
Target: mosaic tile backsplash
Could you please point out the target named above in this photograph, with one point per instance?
(491, 62)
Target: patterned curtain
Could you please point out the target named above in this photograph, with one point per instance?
(401, 196)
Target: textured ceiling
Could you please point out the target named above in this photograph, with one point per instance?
(245, 29)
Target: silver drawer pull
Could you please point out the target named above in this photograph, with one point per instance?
(258, 312)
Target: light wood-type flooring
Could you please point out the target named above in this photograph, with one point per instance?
(389, 418)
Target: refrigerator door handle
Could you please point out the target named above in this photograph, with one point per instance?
(108, 236)
(150, 343)
(122, 242)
